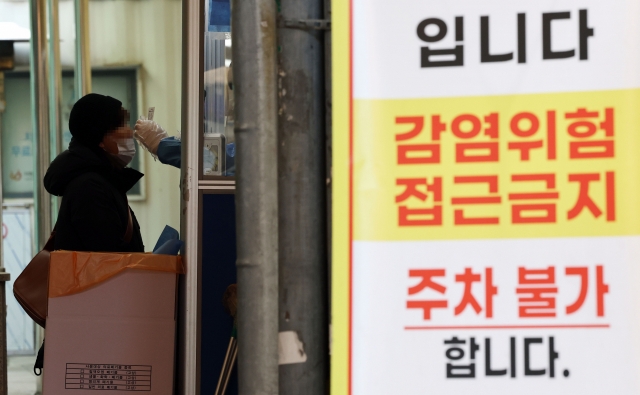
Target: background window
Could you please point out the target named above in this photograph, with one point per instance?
(17, 151)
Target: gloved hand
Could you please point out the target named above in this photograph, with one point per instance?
(149, 134)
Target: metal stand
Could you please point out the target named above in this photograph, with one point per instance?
(227, 366)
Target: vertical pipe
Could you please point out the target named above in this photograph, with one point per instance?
(3, 105)
(55, 91)
(188, 380)
(328, 78)
(40, 119)
(302, 204)
(55, 78)
(38, 64)
(254, 63)
(3, 276)
(83, 59)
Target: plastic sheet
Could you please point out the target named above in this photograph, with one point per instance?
(72, 271)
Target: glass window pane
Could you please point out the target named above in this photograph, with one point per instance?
(219, 141)
(17, 159)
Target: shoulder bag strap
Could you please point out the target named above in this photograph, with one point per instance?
(128, 234)
(50, 244)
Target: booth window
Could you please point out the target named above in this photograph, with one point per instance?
(17, 150)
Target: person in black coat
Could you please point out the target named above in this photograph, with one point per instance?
(93, 180)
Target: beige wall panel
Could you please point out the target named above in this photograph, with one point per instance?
(147, 33)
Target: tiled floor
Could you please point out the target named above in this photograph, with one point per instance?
(22, 381)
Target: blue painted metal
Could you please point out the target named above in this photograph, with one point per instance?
(218, 272)
(219, 16)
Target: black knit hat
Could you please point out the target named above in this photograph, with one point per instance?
(93, 116)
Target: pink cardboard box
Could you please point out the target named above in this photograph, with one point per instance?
(116, 336)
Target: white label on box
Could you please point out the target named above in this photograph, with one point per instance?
(90, 376)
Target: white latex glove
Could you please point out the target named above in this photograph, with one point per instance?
(149, 134)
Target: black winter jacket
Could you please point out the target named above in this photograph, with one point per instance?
(93, 213)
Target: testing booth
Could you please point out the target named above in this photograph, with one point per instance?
(208, 192)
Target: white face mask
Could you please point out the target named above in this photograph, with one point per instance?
(126, 150)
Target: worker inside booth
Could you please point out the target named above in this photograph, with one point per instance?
(219, 147)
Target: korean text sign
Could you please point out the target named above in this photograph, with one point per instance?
(486, 197)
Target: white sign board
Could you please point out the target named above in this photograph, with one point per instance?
(486, 180)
